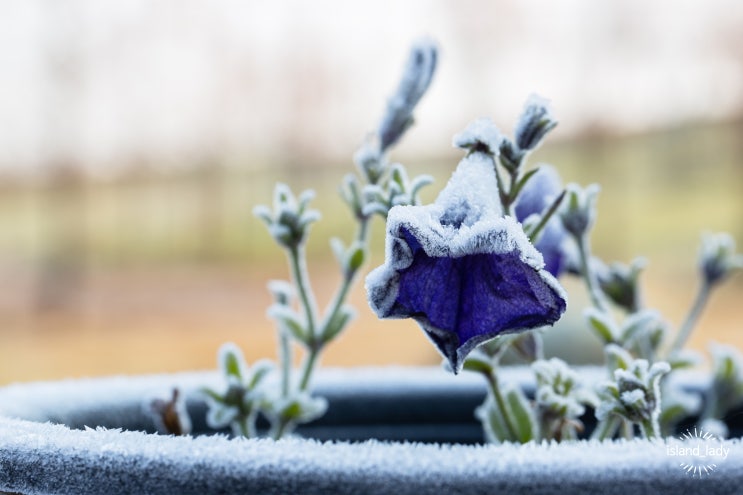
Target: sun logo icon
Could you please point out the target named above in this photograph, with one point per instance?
(700, 453)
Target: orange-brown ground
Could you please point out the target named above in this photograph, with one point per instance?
(148, 321)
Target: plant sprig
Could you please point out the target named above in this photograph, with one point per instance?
(378, 186)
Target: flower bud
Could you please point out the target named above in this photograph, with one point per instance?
(634, 394)
(535, 122)
(718, 258)
(290, 219)
(579, 211)
(510, 156)
(415, 81)
(370, 162)
(282, 291)
(620, 282)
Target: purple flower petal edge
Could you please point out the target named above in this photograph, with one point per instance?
(461, 270)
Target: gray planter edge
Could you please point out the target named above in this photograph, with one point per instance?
(40, 453)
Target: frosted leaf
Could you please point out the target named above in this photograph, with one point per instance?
(633, 397)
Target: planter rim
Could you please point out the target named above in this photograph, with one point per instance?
(51, 400)
(39, 457)
(92, 461)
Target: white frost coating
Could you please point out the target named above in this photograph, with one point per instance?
(534, 105)
(471, 199)
(62, 400)
(465, 219)
(416, 78)
(481, 131)
(631, 397)
(472, 190)
(537, 101)
(104, 459)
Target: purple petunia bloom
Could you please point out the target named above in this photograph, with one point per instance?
(538, 193)
(463, 271)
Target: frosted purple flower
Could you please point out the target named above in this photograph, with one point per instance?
(541, 190)
(463, 271)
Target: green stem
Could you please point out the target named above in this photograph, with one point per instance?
(512, 192)
(285, 358)
(500, 402)
(539, 344)
(691, 319)
(628, 430)
(348, 279)
(504, 198)
(280, 429)
(534, 235)
(308, 367)
(650, 428)
(592, 286)
(546, 424)
(605, 429)
(247, 426)
(301, 280)
(338, 300)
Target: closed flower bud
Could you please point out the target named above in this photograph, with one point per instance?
(290, 219)
(579, 210)
(718, 258)
(620, 282)
(535, 122)
(416, 78)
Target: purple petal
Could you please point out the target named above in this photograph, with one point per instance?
(538, 194)
(464, 272)
(462, 302)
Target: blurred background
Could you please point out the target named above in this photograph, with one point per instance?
(136, 136)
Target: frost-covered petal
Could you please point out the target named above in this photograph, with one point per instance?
(464, 272)
(482, 135)
(538, 193)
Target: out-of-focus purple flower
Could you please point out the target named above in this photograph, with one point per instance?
(538, 193)
(463, 271)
